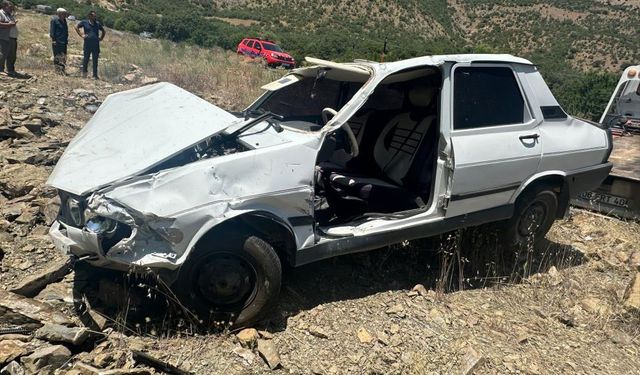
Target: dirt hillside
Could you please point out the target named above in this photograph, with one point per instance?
(451, 305)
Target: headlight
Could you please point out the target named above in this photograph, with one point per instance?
(101, 225)
(75, 213)
(274, 55)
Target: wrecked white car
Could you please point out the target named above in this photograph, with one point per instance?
(332, 159)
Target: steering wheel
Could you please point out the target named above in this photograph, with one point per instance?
(353, 142)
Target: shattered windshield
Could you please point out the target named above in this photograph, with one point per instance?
(304, 101)
(271, 47)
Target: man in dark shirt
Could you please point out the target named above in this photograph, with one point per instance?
(59, 33)
(93, 33)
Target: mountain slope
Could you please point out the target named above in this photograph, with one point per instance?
(567, 39)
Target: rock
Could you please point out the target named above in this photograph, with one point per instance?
(248, 337)
(86, 369)
(268, 351)
(553, 272)
(8, 133)
(471, 361)
(82, 93)
(54, 356)
(395, 310)
(13, 368)
(364, 336)
(91, 108)
(265, 335)
(632, 293)
(634, 261)
(129, 77)
(148, 80)
(58, 293)
(28, 313)
(318, 332)
(246, 354)
(19, 179)
(51, 210)
(28, 216)
(12, 211)
(34, 284)
(34, 126)
(56, 333)
(594, 306)
(420, 289)
(15, 336)
(11, 349)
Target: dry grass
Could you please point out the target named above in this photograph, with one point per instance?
(221, 76)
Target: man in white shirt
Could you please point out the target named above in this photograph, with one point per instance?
(8, 38)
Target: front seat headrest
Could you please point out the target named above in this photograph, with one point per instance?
(421, 96)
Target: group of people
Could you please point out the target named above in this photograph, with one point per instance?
(90, 30)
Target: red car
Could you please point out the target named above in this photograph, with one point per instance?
(268, 50)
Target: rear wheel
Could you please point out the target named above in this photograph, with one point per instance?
(235, 281)
(534, 215)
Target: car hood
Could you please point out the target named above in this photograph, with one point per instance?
(134, 131)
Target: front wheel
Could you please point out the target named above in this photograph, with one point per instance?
(534, 215)
(236, 280)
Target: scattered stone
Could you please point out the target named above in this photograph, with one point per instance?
(634, 261)
(594, 306)
(18, 180)
(248, 337)
(395, 310)
(56, 333)
(13, 368)
(318, 332)
(34, 284)
(27, 313)
(34, 126)
(86, 369)
(91, 108)
(471, 361)
(55, 356)
(268, 351)
(632, 293)
(148, 80)
(364, 336)
(246, 354)
(51, 210)
(420, 289)
(11, 349)
(16, 336)
(553, 272)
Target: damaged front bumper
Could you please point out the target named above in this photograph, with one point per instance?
(81, 244)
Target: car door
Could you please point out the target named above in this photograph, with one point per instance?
(495, 138)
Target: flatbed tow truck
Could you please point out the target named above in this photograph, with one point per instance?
(619, 194)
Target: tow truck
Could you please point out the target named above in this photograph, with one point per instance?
(619, 194)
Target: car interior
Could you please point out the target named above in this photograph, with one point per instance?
(396, 131)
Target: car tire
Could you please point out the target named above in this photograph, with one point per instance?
(533, 216)
(237, 280)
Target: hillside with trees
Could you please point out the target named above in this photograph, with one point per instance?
(579, 45)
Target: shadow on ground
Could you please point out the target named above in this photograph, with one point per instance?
(455, 261)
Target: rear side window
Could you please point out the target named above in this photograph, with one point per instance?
(486, 96)
(250, 44)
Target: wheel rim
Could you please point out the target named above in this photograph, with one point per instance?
(226, 281)
(532, 219)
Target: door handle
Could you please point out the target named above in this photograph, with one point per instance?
(530, 136)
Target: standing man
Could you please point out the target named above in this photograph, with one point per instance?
(59, 33)
(8, 39)
(93, 33)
